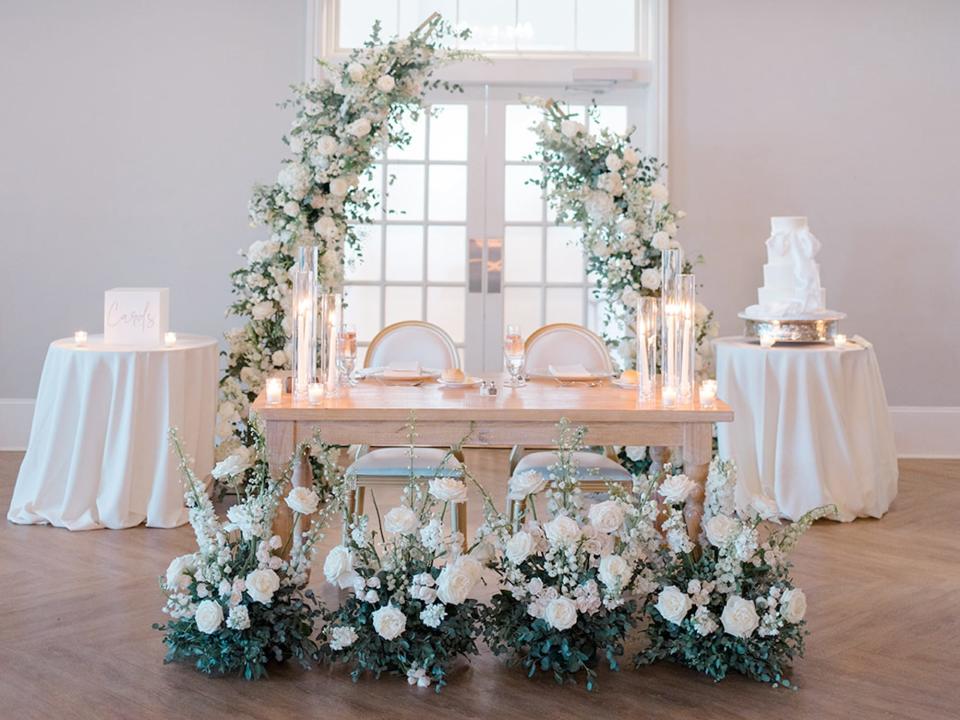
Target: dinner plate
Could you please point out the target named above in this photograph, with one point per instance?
(627, 386)
(547, 375)
(467, 382)
(425, 374)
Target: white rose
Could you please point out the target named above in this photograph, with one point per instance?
(303, 500)
(614, 571)
(177, 577)
(326, 145)
(261, 250)
(673, 604)
(629, 297)
(561, 613)
(613, 162)
(570, 128)
(386, 83)
(279, 358)
(721, 529)
(670, 228)
(606, 516)
(562, 530)
(338, 567)
(631, 156)
(339, 186)
(291, 208)
(235, 463)
(793, 605)
(209, 616)
(389, 622)
(457, 579)
(448, 489)
(264, 309)
(326, 227)
(627, 226)
(739, 617)
(766, 508)
(262, 584)
(650, 278)
(400, 520)
(636, 453)
(519, 547)
(359, 128)
(342, 637)
(676, 488)
(355, 71)
(659, 192)
(660, 240)
(526, 483)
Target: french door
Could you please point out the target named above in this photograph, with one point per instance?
(463, 238)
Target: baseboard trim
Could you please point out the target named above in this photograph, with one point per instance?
(920, 432)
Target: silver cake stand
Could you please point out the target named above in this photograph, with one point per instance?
(814, 328)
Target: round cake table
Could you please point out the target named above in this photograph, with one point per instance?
(811, 426)
(99, 455)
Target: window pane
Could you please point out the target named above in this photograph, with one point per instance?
(445, 307)
(448, 193)
(357, 18)
(365, 265)
(492, 23)
(545, 24)
(446, 253)
(522, 201)
(373, 184)
(403, 303)
(611, 117)
(565, 305)
(523, 254)
(362, 308)
(405, 194)
(564, 256)
(448, 133)
(520, 140)
(404, 252)
(521, 306)
(606, 27)
(414, 12)
(418, 140)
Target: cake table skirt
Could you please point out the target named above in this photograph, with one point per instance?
(811, 426)
(99, 456)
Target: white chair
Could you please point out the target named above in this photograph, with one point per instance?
(568, 344)
(406, 342)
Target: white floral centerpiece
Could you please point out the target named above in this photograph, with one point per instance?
(727, 602)
(409, 611)
(571, 579)
(342, 119)
(241, 600)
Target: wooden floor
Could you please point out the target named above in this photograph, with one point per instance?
(76, 642)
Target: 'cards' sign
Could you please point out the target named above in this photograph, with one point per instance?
(136, 316)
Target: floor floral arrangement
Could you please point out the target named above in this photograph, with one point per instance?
(727, 602)
(409, 610)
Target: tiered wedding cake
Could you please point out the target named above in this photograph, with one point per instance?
(791, 278)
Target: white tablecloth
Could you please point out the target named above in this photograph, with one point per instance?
(811, 426)
(99, 454)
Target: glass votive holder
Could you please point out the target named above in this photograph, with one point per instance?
(840, 340)
(668, 394)
(767, 340)
(80, 337)
(274, 390)
(708, 393)
(169, 339)
(315, 393)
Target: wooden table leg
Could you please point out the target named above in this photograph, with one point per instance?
(697, 450)
(280, 445)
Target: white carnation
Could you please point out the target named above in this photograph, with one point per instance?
(342, 637)
(239, 618)
(433, 615)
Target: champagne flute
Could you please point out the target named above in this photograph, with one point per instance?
(347, 353)
(514, 354)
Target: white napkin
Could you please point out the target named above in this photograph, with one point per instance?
(402, 370)
(570, 371)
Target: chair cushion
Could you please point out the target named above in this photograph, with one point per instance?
(395, 462)
(590, 466)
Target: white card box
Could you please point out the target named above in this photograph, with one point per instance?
(136, 316)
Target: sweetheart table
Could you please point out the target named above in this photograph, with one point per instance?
(376, 414)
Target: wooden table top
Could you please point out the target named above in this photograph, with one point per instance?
(538, 401)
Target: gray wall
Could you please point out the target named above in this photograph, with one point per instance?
(849, 113)
(130, 135)
(131, 132)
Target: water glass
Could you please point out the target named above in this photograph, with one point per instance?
(514, 354)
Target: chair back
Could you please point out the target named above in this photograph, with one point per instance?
(413, 341)
(566, 344)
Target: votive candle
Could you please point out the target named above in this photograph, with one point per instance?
(274, 390)
(767, 340)
(708, 393)
(669, 395)
(80, 337)
(315, 393)
(839, 339)
(170, 338)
